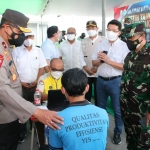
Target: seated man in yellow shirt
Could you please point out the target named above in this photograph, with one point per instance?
(49, 81)
(52, 80)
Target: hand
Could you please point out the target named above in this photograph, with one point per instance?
(33, 84)
(104, 57)
(89, 71)
(147, 119)
(49, 118)
(26, 85)
(94, 69)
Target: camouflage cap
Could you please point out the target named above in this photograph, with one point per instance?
(91, 23)
(129, 20)
(133, 29)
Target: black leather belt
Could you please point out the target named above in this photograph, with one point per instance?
(109, 78)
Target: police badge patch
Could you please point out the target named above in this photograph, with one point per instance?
(41, 82)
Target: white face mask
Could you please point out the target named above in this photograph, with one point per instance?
(56, 74)
(70, 37)
(92, 32)
(28, 42)
(112, 36)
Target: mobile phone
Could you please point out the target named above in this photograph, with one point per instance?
(142, 121)
(106, 54)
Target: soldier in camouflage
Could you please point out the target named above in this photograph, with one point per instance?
(127, 21)
(135, 89)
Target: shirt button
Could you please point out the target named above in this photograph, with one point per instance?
(24, 117)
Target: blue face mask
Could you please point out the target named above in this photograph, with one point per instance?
(126, 24)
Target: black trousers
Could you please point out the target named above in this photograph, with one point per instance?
(9, 135)
(88, 95)
(28, 94)
(41, 132)
(44, 147)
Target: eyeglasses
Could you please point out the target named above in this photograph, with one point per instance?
(12, 25)
(54, 69)
(71, 33)
(112, 30)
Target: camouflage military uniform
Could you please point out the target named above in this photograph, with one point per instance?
(135, 96)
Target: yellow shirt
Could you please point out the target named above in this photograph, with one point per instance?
(51, 83)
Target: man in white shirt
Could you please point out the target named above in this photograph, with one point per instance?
(49, 49)
(109, 57)
(88, 46)
(70, 51)
(29, 61)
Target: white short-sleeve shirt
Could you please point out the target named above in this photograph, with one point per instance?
(28, 62)
(71, 54)
(116, 52)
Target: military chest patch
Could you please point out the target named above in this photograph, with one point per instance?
(5, 52)
(14, 77)
(4, 45)
(1, 60)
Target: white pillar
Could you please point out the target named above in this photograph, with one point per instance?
(38, 34)
(103, 17)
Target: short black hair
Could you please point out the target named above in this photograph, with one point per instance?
(115, 22)
(74, 81)
(51, 31)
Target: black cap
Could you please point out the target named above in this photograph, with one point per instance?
(91, 23)
(17, 18)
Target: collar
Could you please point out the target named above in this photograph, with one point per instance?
(53, 77)
(94, 39)
(114, 43)
(80, 103)
(72, 43)
(142, 51)
(50, 41)
(23, 47)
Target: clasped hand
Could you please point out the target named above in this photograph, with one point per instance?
(104, 57)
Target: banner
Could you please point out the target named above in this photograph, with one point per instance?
(139, 12)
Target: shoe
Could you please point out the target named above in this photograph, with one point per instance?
(117, 139)
(21, 139)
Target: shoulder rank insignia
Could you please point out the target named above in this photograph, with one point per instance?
(4, 45)
(1, 60)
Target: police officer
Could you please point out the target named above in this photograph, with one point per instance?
(30, 63)
(135, 89)
(13, 108)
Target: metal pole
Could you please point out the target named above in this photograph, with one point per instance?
(42, 27)
(103, 16)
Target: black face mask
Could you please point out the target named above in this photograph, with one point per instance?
(17, 42)
(132, 44)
